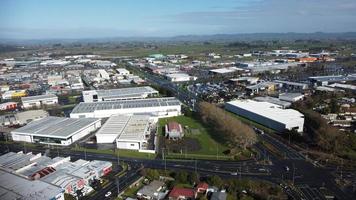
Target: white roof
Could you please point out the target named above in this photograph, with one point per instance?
(226, 70)
(126, 127)
(269, 110)
(39, 97)
(59, 127)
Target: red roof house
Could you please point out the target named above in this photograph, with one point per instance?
(181, 194)
(174, 130)
(202, 187)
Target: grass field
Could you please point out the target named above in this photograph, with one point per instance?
(209, 148)
(122, 152)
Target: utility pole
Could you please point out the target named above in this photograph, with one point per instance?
(164, 159)
(196, 166)
(240, 171)
(217, 151)
(118, 178)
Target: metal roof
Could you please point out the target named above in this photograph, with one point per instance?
(15, 187)
(123, 92)
(125, 104)
(38, 97)
(59, 127)
(268, 110)
(126, 127)
(273, 100)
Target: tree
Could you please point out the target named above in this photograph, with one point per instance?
(194, 177)
(182, 177)
(232, 130)
(215, 181)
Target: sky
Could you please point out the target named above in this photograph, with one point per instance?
(53, 19)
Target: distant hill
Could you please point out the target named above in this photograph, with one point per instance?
(197, 38)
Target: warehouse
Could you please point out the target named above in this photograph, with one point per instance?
(56, 130)
(39, 101)
(268, 114)
(119, 94)
(180, 77)
(291, 97)
(129, 132)
(160, 107)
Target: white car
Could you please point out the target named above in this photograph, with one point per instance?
(108, 194)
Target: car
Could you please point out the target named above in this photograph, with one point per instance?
(286, 168)
(108, 194)
(234, 173)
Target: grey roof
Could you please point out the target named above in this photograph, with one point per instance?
(125, 104)
(292, 83)
(273, 100)
(218, 196)
(334, 78)
(59, 127)
(16, 187)
(126, 127)
(152, 188)
(127, 92)
(38, 97)
(290, 95)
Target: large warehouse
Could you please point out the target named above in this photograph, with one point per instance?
(118, 94)
(159, 107)
(56, 130)
(129, 132)
(268, 114)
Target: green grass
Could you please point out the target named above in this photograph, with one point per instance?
(208, 145)
(122, 152)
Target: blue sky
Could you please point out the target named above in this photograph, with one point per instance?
(43, 19)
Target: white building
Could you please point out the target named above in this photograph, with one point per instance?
(118, 94)
(40, 100)
(56, 130)
(103, 74)
(180, 77)
(291, 97)
(122, 71)
(129, 132)
(160, 107)
(268, 114)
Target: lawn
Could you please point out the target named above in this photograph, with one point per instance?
(122, 152)
(195, 131)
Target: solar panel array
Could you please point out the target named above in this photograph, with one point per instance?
(125, 104)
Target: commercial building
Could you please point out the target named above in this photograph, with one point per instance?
(263, 86)
(119, 94)
(8, 106)
(225, 70)
(13, 186)
(68, 176)
(268, 114)
(22, 118)
(56, 130)
(326, 80)
(129, 132)
(13, 94)
(292, 85)
(283, 104)
(122, 71)
(291, 97)
(39, 100)
(180, 77)
(160, 107)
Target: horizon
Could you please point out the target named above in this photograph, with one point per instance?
(46, 20)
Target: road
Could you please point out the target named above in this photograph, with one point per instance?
(305, 174)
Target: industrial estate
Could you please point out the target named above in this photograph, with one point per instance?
(211, 117)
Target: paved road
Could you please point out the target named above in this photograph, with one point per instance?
(304, 173)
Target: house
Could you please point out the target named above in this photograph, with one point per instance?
(174, 131)
(202, 187)
(151, 191)
(181, 194)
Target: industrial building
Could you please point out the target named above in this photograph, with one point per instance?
(56, 130)
(292, 85)
(268, 114)
(39, 101)
(326, 80)
(13, 94)
(22, 118)
(13, 186)
(291, 97)
(283, 104)
(122, 71)
(67, 176)
(180, 77)
(8, 106)
(225, 70)
(118, 94)
(159, 107)
(129, 132)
